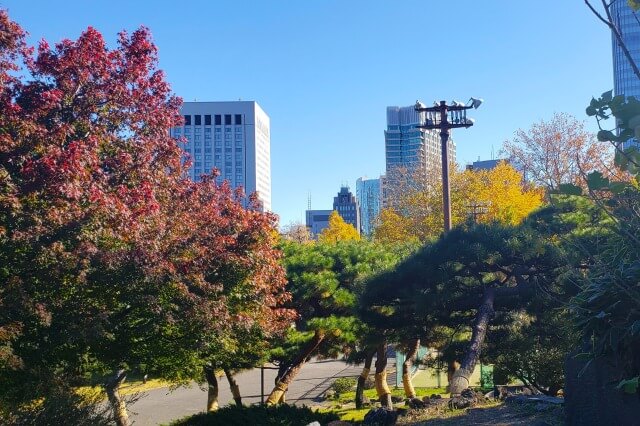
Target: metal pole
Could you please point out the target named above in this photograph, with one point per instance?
(262, 385)
(446, 191)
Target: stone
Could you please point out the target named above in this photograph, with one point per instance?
(314, 424)
(330, 393)
(381, 417)
(436, 396)
(416, 403)
(396, 399)
(459, 402)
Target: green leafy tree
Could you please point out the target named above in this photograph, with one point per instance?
(325, 280)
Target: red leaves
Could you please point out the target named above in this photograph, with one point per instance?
(93, 195)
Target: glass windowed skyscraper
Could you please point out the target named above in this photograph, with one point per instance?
(368, 194)
(625, 82)
(411, 148)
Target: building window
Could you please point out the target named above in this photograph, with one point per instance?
(198, 129)
(238, 136)
(238, 119)
(227, 129)
(238, 162)
(218, 120)
(207, 150)
(187, 120)
(198, 120)
(198, 172)
(227, 171)
(176, 131)
(217, 157)
(238, 178)
(238, 149)
(218, 136)
(227, 144)
(228, 158)
(196, 137)
(187, 130)
(207, 137)
(227, 119)
(238, 169)
(218, 149)
(207, 157)
(198, 164)
(207, 120)
(238, 129)
(218, 130)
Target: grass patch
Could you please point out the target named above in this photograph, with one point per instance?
(350, 396)
(347, 414)
(128, 388)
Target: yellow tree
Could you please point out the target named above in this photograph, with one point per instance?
(392, 227)
(501, 190)
(500, 194)
(338, 230)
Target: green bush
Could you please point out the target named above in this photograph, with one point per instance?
(343, 384)
(280, 415)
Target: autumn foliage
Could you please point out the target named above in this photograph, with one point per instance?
(496, 195)
(111, 257)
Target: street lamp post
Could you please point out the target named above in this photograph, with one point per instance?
(445, 117)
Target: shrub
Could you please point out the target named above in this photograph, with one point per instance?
(343, 384)
(61, 407)
(280, 415)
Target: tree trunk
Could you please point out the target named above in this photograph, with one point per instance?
(235, 389)
(112, 388)
(412, 352)
(277, 394)
(460, 380)
(451, 370)
(212, 393)
(362, 379)
(382, 389)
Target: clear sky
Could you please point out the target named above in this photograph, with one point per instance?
(325, 71)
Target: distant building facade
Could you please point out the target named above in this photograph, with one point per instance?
(317, 220)
(411, 148)
(625, 82)
(233, 137)
(346, 205)
(369, 198)
(486, 164)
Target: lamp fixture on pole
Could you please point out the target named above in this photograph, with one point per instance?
(445, 117)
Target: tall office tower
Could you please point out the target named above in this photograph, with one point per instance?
(625, 82)
(347, 207)
(368, 195)
(232, 137)
(411, 149)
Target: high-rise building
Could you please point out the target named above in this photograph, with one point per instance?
(347, 207)
(625, 82)
(232, 137)
(369, 197)
(410, 148)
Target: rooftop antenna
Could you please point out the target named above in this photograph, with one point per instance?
(309, 201)
(492, 152)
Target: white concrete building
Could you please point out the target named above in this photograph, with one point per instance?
(233, 137)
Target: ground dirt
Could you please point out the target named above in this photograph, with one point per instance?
(496, 415)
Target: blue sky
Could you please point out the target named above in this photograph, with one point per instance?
(325, 71)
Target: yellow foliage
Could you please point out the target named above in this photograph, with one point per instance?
(498, 195)
(338, 230)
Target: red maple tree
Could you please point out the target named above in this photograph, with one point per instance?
(111, 257)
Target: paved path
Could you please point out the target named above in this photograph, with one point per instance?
(161, 406)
